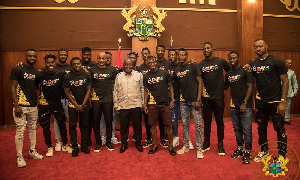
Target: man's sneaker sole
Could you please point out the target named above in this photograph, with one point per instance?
(206, 149)
(110, 149)
(96, 151)
(221, 154)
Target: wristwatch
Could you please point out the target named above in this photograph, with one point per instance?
(282, 100)
(244, 102)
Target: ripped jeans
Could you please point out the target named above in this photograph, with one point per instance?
(29, 118)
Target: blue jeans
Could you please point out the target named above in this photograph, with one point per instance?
(175, 115)
(242, 125)
(186, 108)
(288, 108)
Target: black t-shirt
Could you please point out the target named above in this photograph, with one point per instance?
(51, 88)
(78, 84)
(102, 82)
(267, 75)
(188, 83)
(212, 76)
(237, 79)
(171, 67)
(157, 84)
(88, 64)
(143, 68)
(162, 63)
(27, 78)
(67, 67)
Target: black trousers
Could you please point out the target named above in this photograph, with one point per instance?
(136, 115)
(44, 119)
(90, 125)
(216, 106)
(107, 109)
(265, 111)
(83, 125)
(147, 126)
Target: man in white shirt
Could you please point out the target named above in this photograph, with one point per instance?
(128, 98)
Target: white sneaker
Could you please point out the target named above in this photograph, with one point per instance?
(191, 145)
(50, 152)
(67, 148)
(260, 156)
(103, 139)
(21, 162)
(114, 140)
(175, 141)
(183, 150)
(35, 155)
(200, 154)
(58, 146)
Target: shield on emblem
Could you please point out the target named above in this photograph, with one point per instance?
(144, 25)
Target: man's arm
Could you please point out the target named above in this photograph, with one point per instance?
(284, 91)
(115, 95)
(18, 110)
(145, 100)
(171, 90)
(87, 95)
(247, 97)
(71, 99)
(199, 102)
(295, 84)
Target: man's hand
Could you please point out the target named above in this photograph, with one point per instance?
(19, 64)
(295, 94)
(171, 104)
(243, 108)
(197, 105)
(18, 111)
(80, 108)
(116, 110)
(146, 109)
(281, 108)
(247, 67)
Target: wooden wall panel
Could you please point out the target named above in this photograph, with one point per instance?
(9, 59)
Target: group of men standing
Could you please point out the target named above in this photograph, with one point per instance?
(160, 90)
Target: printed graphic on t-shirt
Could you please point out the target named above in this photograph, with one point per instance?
(151, 99)
(29, 76)
(50, 82)
(155, 80)
(78, 82)
(181, 98)
(261, 69)
(94, 96)
(171, 72)
(184, 73)
(231, 103)
(145, 72)
(42, 100)
(22, 100)
(233, 79)
(101, 76)
(70, 104)
(204, 92)
(209, 68)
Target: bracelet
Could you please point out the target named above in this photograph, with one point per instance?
(282, 100)
(244, 102)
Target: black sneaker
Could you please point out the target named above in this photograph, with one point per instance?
(172, 151)
(237, 153)
(246, 157)
(110, 147)
(206, 146)
(133, 137)
(221, 149)
(97, 148)
(85, 150)
(123, 148)
(153, 150)
(75, 152)
(288, 123)
(163, 143)
(147, 143)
